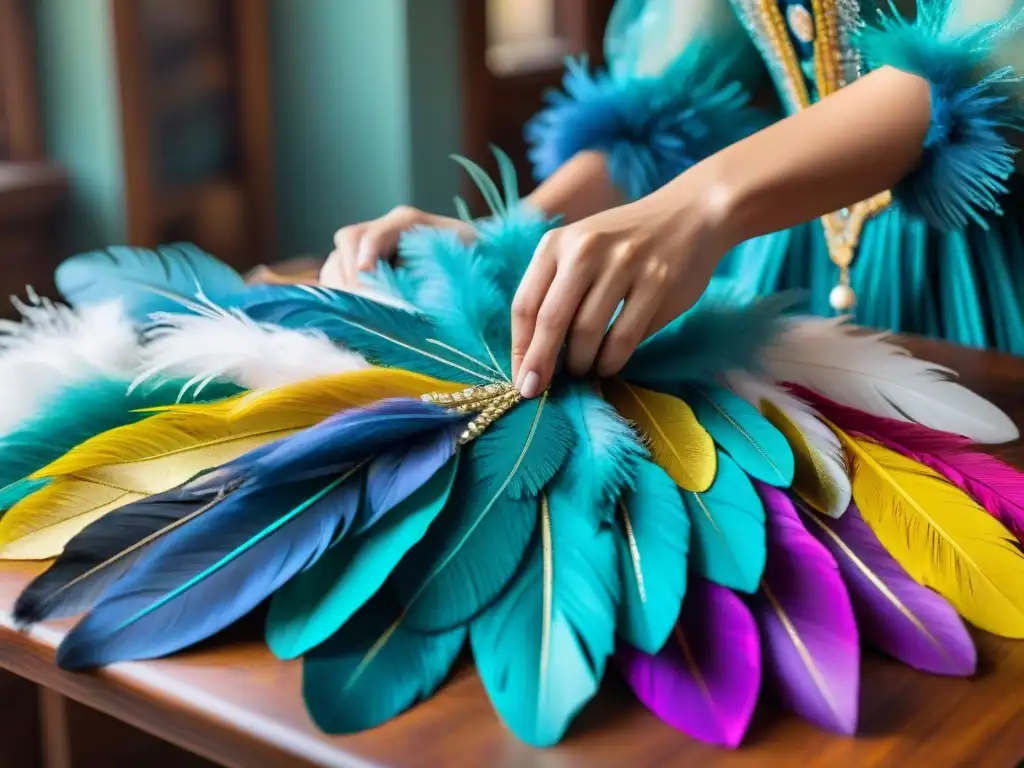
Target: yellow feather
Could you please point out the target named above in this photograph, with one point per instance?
(166, 449)
(677, 441)
(942, 538)
(811, 480)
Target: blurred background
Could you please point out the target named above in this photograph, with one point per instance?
(256, 128)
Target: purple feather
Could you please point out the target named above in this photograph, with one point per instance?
(812, 651)
(895, 613)
(706, 679)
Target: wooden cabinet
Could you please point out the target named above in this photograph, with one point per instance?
(194, 84)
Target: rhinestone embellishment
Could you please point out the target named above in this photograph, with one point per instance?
(801, 23)
(489, 402)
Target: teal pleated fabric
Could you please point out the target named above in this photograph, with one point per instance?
(965, 285)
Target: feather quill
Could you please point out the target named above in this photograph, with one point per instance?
(940, 536)
(875, 375)
(541, 649)
(812, 650)
(727, 543)
(894, 612)
(677, 441)
(998, 487)
(706, 680)
(821, 474)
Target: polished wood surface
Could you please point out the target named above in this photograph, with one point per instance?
(233, 703)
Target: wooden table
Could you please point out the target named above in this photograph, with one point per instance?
(234, 704)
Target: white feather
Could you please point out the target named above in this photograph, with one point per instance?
(54, 346)
(868, 372)
(821, 440)
(222, 345)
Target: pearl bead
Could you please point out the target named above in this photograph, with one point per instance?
(842, 298)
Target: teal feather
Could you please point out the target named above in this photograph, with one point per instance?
(22, 489)
(748, 437)
(652, 542)
(541, 648)
(128, 275)
(716, 336)
(73, 415)
(375, 668)
(727, 544)
(318, 602)
(606, 453)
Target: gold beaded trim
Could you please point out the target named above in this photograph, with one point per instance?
(489, 401)
(842, 228)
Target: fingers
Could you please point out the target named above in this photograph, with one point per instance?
(528, 299)
(361, 246)
(632, 325)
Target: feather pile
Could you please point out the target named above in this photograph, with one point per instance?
(754, 498)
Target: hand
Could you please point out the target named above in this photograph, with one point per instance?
(657, 255)
(358, 247)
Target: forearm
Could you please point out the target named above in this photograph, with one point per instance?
(581, 187)
(852, 145)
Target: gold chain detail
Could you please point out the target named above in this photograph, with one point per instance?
(489, 402)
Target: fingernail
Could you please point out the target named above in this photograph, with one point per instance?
(364, 260)
(530, 386)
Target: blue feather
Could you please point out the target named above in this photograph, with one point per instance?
(129, 274)
(714, 337)
(318, 602)
(749, 438)
(206, 575)
(375, 668)
(652, 542)
(727, 544)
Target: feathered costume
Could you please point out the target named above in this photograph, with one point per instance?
(942, 254)
(754, 497)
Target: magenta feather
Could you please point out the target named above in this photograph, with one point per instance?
(706, 679)
(812, 649)
(995, 485)
(894, 613)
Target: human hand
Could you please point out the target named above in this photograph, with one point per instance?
(656, 255)
(358, 248)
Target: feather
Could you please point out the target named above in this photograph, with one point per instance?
(894, 613)
(821, 474)
(652, 542)
(750, 439)
(715, 337)
(374, 668)
(874, 375)
(998, 487)
(943, 539)
(314, 605)
(130, 274)
(677, 441)
(225, 345)
(727, 543)
(808, 629)
(384, 334)
(55, 349)
(541, 649)
(705, 682)
(206, 575)
(101, 553)
(14, 492)
(606, 453)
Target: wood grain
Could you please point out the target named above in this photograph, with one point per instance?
(233, 703)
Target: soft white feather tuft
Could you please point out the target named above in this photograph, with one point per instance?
(54, 346)
(828, 453)
(871, 373)
(222, 345)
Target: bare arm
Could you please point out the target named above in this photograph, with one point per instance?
(580, 188)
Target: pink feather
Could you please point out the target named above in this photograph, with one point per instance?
(997, 486)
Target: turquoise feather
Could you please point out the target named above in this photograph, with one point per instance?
(73, 415)
(748, 437)
(317, 603)
(727, 544)
(129, 275)
(375, 668)
(541, 648)
(653, 540)
(22, 489)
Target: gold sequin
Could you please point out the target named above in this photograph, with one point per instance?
(801, 23)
